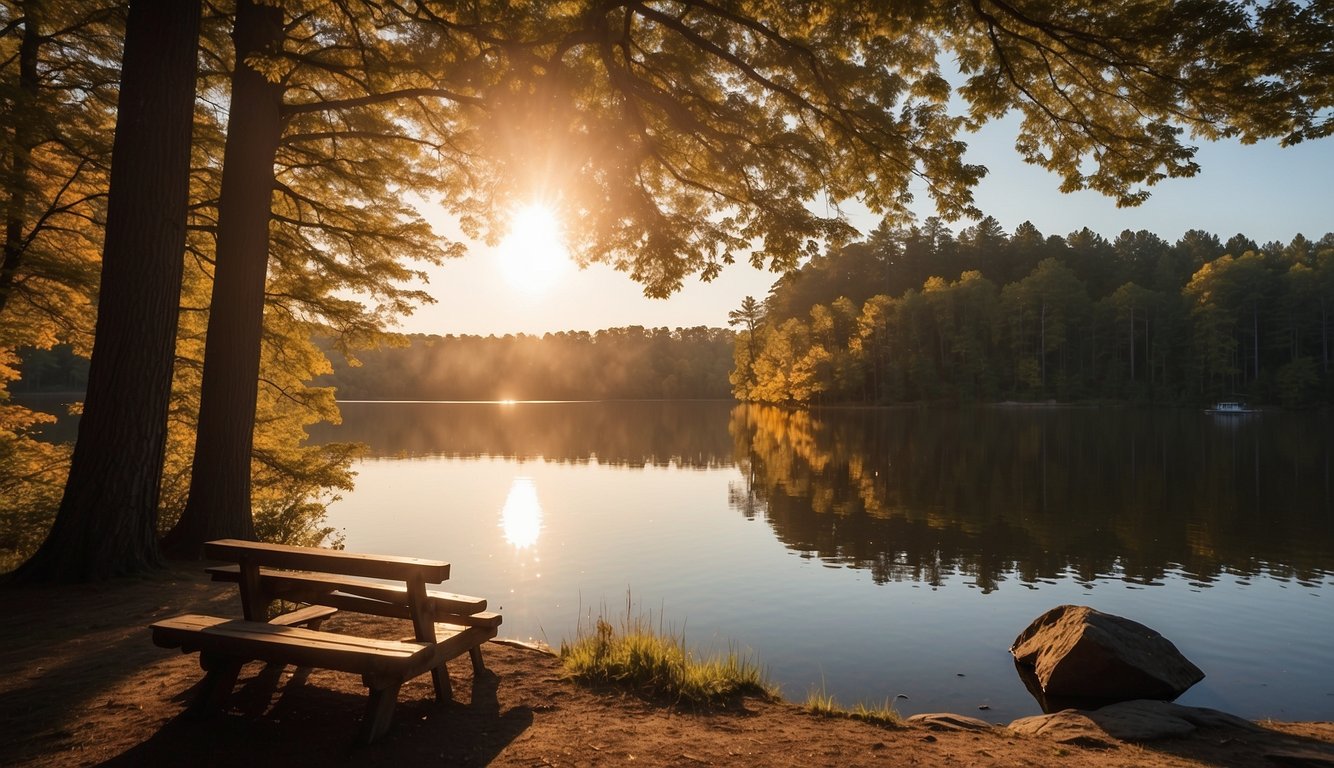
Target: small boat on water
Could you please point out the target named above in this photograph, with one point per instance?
(1228, 408)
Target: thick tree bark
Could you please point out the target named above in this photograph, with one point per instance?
(107, 523)
(219, 503)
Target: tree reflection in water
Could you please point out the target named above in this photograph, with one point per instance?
(1035, 494)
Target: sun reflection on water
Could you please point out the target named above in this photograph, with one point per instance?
(521, 517)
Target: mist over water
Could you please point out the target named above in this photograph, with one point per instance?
(876, 552)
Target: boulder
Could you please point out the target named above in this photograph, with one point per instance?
(1074, 651)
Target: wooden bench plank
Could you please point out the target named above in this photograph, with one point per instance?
(283, 583)
(314, 559)
(356, 604)
(454, 640)
(251, 640)
(309, 616)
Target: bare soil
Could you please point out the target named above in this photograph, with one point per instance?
(82, 684)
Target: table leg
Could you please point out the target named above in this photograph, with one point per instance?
(379, 712)
(219, 679)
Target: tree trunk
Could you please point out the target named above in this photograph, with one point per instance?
(107, 522)
(1042, 350)
(1148, 346)
(1324, 337)
(23, 142)
(1132, 343)
(1255, 336)
(219, 502)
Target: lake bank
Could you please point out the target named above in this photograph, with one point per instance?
(81, 684)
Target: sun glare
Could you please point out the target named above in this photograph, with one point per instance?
(521, 518)
(533, 255)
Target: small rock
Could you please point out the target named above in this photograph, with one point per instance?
(1301, 758)
(948, 721)
(1067, 727)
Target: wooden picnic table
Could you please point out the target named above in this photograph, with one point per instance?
(324, 581)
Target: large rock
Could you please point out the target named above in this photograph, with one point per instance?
(1076, 652)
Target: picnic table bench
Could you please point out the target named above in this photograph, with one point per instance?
(445, 625)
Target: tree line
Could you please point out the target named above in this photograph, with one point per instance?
(191, 190)
(918, 314)
(615, 363)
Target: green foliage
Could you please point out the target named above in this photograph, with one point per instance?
(1226, 328)
(657, 664)
(616, 363)
(1298, 383)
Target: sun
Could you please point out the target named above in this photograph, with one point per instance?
(533, 255)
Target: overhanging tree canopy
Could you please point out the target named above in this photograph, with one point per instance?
(679, 135)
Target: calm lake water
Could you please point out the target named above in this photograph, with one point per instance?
(879, 553)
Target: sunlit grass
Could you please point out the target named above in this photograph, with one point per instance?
(820, 702)
(657, 664)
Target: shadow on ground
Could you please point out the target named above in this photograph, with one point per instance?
(294, 722)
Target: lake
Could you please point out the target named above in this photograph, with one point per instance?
(888, 553)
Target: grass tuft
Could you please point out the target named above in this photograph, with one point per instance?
(818, 702)
(823, 704)
(883, 714)
(656, 663)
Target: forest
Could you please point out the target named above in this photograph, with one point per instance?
(193, 192)
(610, 364)
(917, 314)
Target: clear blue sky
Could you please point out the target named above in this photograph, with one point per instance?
(1263, 191)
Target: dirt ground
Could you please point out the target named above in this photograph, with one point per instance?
(82, 684)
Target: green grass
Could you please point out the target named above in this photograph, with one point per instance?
(656, 663)
(819, 702)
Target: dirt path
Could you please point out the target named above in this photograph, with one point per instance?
(81, 684)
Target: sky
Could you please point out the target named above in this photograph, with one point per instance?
(1263, 191)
